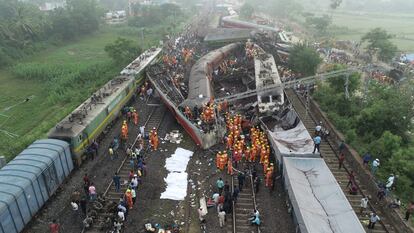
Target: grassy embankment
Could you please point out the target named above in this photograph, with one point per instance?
(355, 25)
(60, 79)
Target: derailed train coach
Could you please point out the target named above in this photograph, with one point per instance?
(317, 202)
(271, 100)
(30, 179)
(200, 92)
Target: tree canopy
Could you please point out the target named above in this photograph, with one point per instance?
(122, 51)
(379, 39)
(319, 23)
(22, 24)
(379, 124)
(387, 109)
(304, 59)
(338, 83)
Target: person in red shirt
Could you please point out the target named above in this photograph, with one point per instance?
(54, 227)
(341, 160)
(86, 179)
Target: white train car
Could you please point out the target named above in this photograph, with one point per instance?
(266, 74)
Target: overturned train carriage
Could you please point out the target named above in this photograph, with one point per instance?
(200, 92)
(30, 179)
(200, 84)
(231, 21)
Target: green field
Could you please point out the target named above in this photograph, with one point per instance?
(358, 23)
(32, 120)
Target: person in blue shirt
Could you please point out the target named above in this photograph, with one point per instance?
(367, 158)
(317, 141)
(220, 185)
(256, 221)
(117, 182)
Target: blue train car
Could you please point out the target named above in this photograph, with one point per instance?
(30, 179)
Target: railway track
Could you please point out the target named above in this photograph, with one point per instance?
(243, 208)
(330, 155)
(154, 120)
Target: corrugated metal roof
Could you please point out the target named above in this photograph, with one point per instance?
(28, 165)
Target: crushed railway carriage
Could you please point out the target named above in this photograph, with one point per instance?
(231, 21)
(266, 74)
(319, 205)
(200, 88)
(30, 179)
(200, 92)
(86, 123)
(89, 120)
(288, 136)
(222, 36)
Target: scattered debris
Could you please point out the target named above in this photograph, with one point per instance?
(174, 137)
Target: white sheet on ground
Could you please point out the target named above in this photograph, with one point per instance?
(178, 161)
(177, 177)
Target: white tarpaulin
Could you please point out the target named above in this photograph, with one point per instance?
(293, 141)
(318, 202)
(177, 177)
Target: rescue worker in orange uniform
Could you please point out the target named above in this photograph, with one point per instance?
(253, 153)
(236, 157)
(223, 160)
(128, 196)
(265, 164)
(262, 153)
(150, 135)
(218, 156)
(135, 117)
(268, 178)
(124, 131)
(154, 140)
(230, 167)
(229, 142)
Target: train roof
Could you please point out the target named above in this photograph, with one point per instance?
(317, 199)
(200, 89)
(139, 64)
(81, 117)
(233, 19)
(228, 35)
(265, 69)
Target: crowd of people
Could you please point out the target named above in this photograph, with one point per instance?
(245, 149)
(384, 188)
(86, 204)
